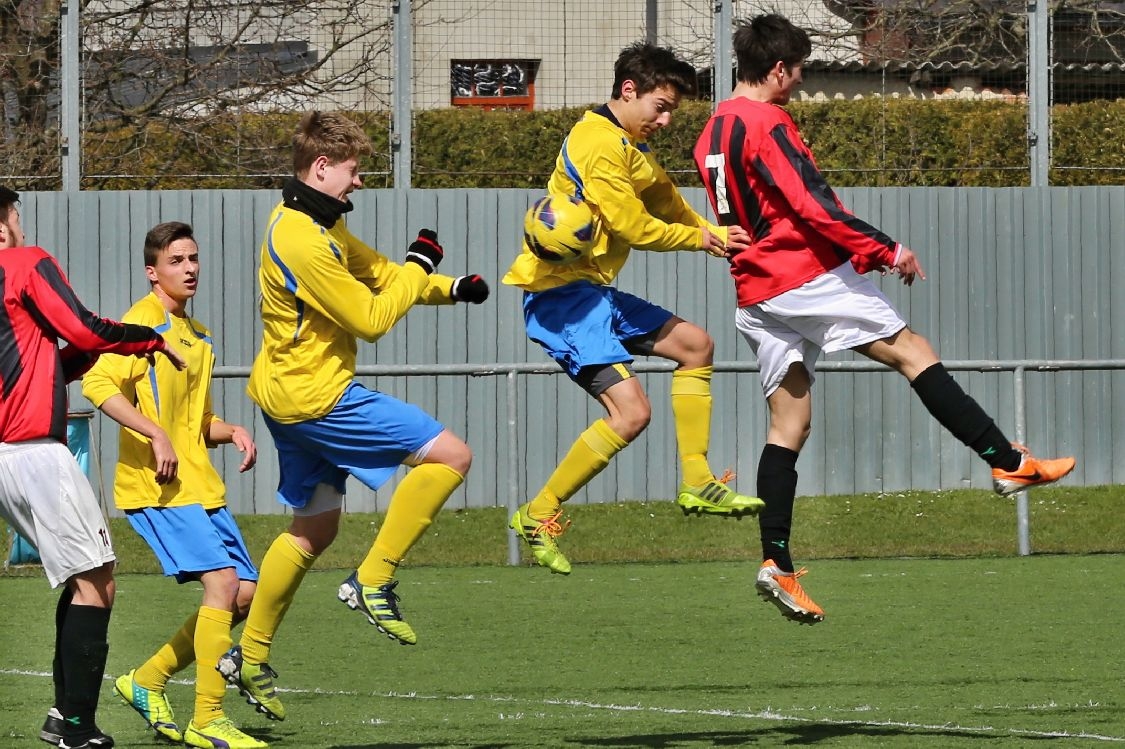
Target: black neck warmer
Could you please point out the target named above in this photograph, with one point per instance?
(324, 209)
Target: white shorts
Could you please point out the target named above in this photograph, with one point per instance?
(835, 311)
(48, 500)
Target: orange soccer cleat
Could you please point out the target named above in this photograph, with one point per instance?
(1033, 471)
(782, 590)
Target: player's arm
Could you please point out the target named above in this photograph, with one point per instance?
(51, 298)
(785, 167)
(664, 200)
(324, 283)
(75, 362)
(376, 271)
(609, 187)
(219, 432)
(111, 386)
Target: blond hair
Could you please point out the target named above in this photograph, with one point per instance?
(328, 134)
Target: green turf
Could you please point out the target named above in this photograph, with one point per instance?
(1005, 652)
(964, 523)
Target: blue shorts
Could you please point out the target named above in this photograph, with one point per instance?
(367, 435)
(583, 324)
(189, 540)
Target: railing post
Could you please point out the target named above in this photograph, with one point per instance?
(513, 466)
(1023, 513)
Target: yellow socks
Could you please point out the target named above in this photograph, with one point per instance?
(589, 454)
(173, 657)
(212, 639)
(691, 407)
(416, 501)
(281, 572)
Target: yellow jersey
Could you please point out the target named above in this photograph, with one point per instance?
(634, 201)
(321, 289)
(179, 401)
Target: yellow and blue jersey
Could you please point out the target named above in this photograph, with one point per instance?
(635, 203)
(321, 289)
(179, 401)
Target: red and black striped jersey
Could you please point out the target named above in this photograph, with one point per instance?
(41, 311)
(760, 175)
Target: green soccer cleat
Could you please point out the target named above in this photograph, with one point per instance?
(151, 705)
(540, 536)
(220, 734)
(379, 605)
(716, 498)
(254, 681)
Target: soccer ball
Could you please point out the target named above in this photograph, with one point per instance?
(559, 229)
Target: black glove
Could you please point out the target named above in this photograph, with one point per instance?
(472, 289)
(425, 251)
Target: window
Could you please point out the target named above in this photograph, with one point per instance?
(493, 84)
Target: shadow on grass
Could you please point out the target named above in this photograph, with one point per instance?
(772, 736)
(791, 734)
(424, 746)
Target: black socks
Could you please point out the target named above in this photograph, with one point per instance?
(964, 418)
(82, 653)
(777, 486)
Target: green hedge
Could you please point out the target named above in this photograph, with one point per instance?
(869, 142)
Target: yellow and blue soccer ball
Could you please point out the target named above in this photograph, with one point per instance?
(559, 229)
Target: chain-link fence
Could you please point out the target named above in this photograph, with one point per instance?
(204, 93)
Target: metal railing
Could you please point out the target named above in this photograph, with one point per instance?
(511, 371)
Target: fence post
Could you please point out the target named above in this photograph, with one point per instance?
(513, 466)
(70, 97)
(1023, 514)
(722, 82)
(1039, 91)
(402, 122)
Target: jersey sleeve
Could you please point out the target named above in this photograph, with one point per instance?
(330, 287)
(50, 297)
(610, 187)
(377, 272)
(75, 362)
(666, 203)
(786, 167)
(113, 375)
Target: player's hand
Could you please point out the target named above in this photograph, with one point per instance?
(472, 289)
(738, 239)
(425, 251)
(907, 266)
(174, 356)
(167, 464)
(712, 243)
(240, 438)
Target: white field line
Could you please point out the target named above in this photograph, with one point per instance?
(767, 714)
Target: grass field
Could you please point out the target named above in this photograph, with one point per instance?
(1005, 652)
(962, 523)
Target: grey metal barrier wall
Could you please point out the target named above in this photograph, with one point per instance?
(1014, 275)
(517, 494)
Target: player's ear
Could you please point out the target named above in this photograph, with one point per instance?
(628, 89)
(150, 274)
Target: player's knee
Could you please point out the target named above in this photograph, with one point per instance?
(791, 433)
(315, 533)
(321, 539)
(221, 587)
(707, 347)
(698, 346)
(94, 587)
(803, 434)
(631, 421)
(461, 459)
(242, 601)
